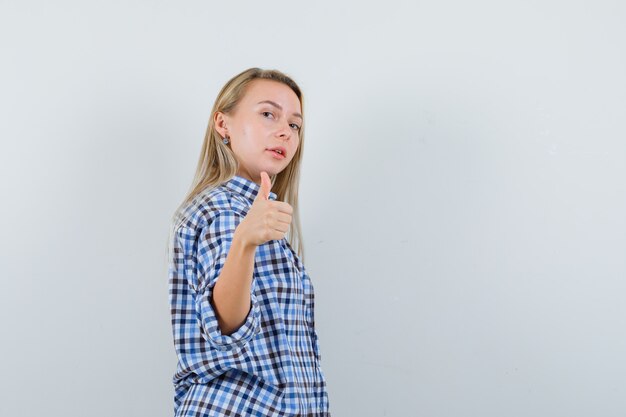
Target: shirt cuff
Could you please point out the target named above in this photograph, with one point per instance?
(212, 331)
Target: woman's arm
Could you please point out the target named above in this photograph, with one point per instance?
(265, 220)
(231, 293)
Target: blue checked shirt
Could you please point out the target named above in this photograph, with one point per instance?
(270, 366)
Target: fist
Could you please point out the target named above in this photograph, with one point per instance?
(266, 219)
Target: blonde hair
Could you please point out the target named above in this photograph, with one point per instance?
(217, 163)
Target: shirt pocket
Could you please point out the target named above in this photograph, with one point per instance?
(289, 255)
(273, 269)
(285, 260)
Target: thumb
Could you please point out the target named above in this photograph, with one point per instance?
(266, 185)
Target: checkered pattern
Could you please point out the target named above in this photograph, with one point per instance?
(270, 366)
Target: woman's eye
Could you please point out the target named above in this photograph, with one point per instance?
(295, 126)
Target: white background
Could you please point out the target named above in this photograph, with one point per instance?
(463, 197)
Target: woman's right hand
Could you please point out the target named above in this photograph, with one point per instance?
(266, 219)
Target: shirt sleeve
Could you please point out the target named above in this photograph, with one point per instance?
(214, 242)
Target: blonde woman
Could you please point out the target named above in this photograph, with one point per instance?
(242, 303)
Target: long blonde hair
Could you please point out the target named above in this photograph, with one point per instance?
(217, 163)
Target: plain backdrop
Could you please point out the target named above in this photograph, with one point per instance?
(463, 197)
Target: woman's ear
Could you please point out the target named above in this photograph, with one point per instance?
(219, 121)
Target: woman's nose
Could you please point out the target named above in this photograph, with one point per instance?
(285, 131)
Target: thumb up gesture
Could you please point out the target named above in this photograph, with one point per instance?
(266, 219)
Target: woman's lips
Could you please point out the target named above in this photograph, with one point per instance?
(276, 154)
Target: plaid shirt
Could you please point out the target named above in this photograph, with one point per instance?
(270, 366)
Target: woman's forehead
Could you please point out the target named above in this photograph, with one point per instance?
(268, 90)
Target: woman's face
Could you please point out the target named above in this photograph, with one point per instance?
(269, 115)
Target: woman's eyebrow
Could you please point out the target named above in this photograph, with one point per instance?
(278, 105)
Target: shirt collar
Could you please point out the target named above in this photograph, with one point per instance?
(246, 188)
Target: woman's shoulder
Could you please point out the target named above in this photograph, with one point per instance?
(203, 208)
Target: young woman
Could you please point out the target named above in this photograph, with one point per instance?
(242, 303)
